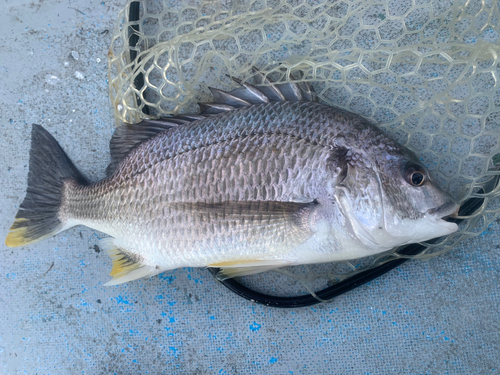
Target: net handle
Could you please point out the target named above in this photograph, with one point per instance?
(133, 38)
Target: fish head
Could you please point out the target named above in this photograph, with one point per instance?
(389, 200)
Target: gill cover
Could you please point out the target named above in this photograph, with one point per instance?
(383, 211)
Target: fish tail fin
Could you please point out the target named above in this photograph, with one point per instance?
(49, 169)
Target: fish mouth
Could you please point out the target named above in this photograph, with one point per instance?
(448, 209)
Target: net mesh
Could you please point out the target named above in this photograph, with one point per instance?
(426, 71)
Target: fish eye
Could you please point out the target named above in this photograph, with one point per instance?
(416, 176)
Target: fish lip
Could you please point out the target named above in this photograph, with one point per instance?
(448, 209)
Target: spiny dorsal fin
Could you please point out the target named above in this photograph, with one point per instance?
(125, 267)
(264, 91)
(223, 97)
(249, 92)
(267, 87)
(128, 136)
(214, 108)
(291, 91)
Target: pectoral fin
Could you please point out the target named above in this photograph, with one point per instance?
(261, 230)
(293, 214)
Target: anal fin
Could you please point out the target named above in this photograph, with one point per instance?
(125, 268)
(240, 268)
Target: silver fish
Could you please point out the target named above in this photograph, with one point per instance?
(265, 177)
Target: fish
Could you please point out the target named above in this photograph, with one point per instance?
(264, 177)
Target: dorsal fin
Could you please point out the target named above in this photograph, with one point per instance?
(264, 91)
(249, 92)
(128, 136)
(223, 97)
(214, 108)
(272, 92)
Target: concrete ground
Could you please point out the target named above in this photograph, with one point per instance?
(56, 317)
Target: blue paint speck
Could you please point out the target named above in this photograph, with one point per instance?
(120, 299)
(273, 360)
(255, 327)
